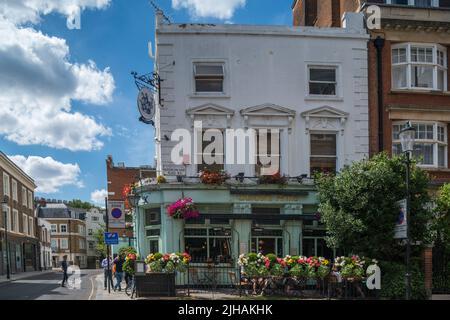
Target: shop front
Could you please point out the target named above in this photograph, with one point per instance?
(233, 220)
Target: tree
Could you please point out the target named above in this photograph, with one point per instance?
(441, 219)
(359, 206)
(77, 203)
(101, 247)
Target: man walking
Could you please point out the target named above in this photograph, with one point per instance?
(118, 262)
(107, 273)
(64, 269)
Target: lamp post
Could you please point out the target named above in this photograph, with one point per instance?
(407, 137)
(5, 213)
(133, 200)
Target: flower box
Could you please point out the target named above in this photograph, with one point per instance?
(155, 285)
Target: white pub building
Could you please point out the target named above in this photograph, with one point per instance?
(308, 85)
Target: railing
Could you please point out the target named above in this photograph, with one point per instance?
(228, 279)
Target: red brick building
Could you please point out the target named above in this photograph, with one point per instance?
(118, 177)
(408, 72)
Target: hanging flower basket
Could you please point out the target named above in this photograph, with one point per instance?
(183, 209)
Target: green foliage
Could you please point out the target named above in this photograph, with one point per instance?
(359, 206)
(77, 203)
(124, 251)
(101, 247)
(300, 271)
(440, 225)
(393, 281)
(277, 270)
(128, 266)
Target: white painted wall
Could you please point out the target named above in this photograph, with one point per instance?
(267, 65)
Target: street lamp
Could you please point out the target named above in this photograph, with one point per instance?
(5, 202)
(407, 137)
(133, 200)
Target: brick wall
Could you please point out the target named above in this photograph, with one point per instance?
(427, 261)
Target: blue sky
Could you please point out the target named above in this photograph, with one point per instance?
(114, 36)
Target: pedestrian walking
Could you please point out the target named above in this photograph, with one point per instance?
(107, 273)
(118, 263)
(64, 269)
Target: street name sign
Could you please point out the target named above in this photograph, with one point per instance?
(111, 238)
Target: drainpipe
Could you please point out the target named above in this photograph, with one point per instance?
(379, 44)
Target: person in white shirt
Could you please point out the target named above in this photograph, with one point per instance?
(107, 273)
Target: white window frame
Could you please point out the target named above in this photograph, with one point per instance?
(15, 195)
(82, 244)
(16, 220)
(54, 244)
(434, 3)
(324, 132)
(409, 64)
(30, 200)
(8, 220)
(435, 142)
(55, 229)
(60, 228)
(6, 186)
(31, 226)
(24, 197)
(226, 76)
(24, 224)
(64, 241)
(337, 81)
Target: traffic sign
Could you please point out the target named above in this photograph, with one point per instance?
(116, 214)
(111, 238)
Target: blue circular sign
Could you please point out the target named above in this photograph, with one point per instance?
(116, 213)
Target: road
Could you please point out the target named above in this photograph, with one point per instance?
(48, 287)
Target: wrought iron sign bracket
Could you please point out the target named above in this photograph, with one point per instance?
(151, 81)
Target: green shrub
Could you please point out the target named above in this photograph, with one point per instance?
(393, 281)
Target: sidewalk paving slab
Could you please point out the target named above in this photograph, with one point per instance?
(24, 275)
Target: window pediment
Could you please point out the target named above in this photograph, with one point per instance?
(325, 118)
(212, 115)
(270, 115)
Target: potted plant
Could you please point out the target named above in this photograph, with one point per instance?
(213, 177)
(276, 178)
(159, 279)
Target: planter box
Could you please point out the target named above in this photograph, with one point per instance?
(155, 285)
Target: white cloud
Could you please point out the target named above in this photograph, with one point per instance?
(38, 82)
(21, 11)
(98, 196)
(223, 9)
(49, 175)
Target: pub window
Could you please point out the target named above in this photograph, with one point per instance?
(154, 246)
(208, 244)
(323, 153)
(209, 149)
(152, 217)
(153, 232)
(322, 80)
(266, 151)
(209, 77)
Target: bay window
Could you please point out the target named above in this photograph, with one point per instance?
(430, 148)
(419, 66)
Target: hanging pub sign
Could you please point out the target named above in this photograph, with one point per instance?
(402, 223)
(146, 105)
(116, 214)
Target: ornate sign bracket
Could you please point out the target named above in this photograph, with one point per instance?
(152, 82)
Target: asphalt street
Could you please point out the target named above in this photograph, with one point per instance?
(81, 286)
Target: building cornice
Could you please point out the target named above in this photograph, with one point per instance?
(4, 159)
(260, 30)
